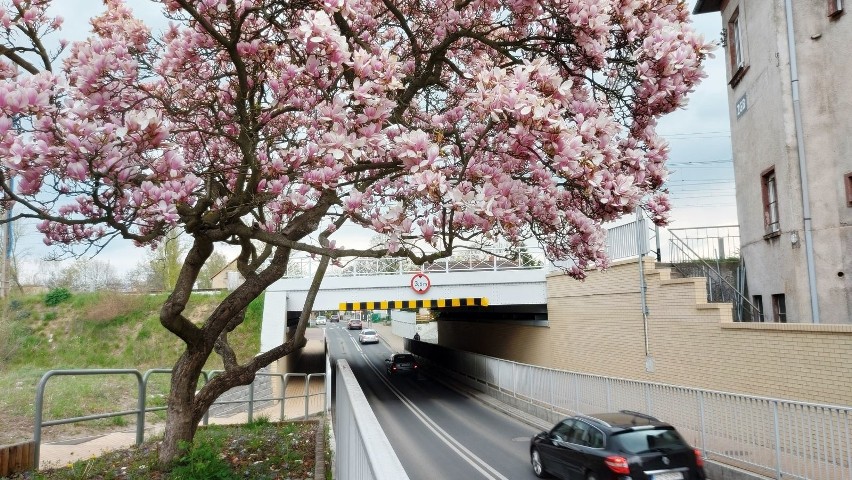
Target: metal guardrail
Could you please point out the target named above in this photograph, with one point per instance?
(629, 240)
(463, 260)
(769, 436)
(284, 377)
(142, 409)
(363, 451)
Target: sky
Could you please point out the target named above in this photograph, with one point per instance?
(701, 179)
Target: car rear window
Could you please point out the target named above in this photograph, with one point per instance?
(404, 358)
(638, 441)
(369, 332)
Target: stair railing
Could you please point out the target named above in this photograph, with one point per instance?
(743, 308)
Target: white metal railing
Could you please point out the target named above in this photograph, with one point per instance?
(774, 437)
(463, 260)
(707, 243)
(628, 240)
(363, 452)
(719, 288)
(308, 397)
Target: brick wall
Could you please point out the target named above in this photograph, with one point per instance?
(596, 326)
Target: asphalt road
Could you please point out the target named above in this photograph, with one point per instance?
(436, 432)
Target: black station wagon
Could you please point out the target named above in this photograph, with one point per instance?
(615, 446)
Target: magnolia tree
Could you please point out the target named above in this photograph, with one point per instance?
(270, 124)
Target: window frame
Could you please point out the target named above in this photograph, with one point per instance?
(779, 308)
(760, 315)
(769, 199)
(580, 425)
(847, 181)
(835, 8)
(569, 425)
(736, 47)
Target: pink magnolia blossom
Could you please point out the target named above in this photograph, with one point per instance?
(415, 127)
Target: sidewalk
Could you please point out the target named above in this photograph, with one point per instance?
(395, 342)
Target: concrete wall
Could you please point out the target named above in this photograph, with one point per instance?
(596, 327)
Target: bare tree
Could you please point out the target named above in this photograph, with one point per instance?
(214, 265)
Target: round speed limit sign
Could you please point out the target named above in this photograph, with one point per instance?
(420, 283)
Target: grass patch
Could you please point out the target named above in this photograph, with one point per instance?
(96, 330)
(258, 450)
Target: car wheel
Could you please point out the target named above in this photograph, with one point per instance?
(537, 466)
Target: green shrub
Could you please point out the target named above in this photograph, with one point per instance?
(56, 296)
(48, 316)
(204, 460)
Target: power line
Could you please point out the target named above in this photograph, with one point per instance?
(701, 162)
(709, 181)
(713, 132)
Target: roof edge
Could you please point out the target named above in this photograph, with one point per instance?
(707, 6)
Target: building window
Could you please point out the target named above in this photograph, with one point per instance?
(779, 308)
(735, 41)
(736, 51)
(835, 7)
(757, 303)
(769, 189)
(848, 182)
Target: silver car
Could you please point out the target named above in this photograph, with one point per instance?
(368, 336)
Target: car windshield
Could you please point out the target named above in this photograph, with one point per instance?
(656, 440)
(369, 332)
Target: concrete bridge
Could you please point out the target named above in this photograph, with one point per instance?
(491, 285)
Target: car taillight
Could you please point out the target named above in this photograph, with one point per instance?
(617, 464)
(415, 365)
(699, 460)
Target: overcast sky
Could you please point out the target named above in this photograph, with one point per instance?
(701, 180)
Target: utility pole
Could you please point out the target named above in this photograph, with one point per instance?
(6, 246)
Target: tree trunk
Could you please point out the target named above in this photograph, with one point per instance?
(181, 419)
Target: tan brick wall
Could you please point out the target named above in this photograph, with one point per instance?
(596, 326)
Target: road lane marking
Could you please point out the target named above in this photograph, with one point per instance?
(471, 458)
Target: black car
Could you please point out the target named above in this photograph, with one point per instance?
(402, 364)
(615, 446)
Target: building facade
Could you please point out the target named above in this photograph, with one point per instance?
(229, 278)
(789, 73)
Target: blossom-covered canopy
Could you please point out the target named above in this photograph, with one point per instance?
(428, 121)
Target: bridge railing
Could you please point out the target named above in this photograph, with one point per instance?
(463, 260)
(769, 436)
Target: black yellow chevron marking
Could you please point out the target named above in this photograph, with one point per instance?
(412, 304)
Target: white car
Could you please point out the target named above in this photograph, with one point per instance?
(368, 336)
(321, 320)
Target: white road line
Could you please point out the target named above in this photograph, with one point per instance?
(357, 345)
(479, 464)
